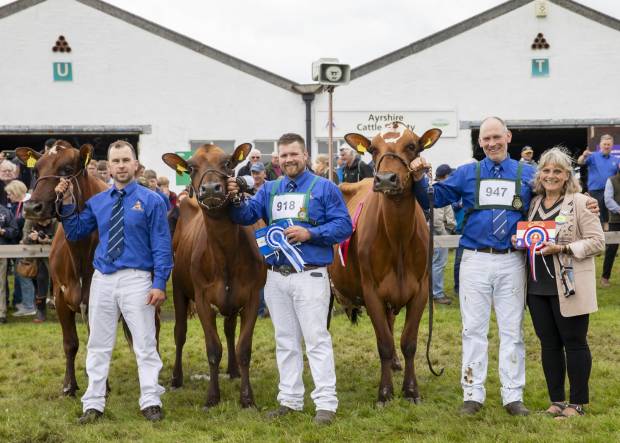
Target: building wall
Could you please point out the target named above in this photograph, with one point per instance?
(487, 71)
(123, 75)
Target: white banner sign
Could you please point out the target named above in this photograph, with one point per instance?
(370, 123)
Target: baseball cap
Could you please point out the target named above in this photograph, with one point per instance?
(443, 170)
(527, 149)
(257, 167)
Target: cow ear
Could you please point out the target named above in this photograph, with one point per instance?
(27, 156)
(360, 143)
(175, 162)
(240, 154)
(86, 154)
(429, 138)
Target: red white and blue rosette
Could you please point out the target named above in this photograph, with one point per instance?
(534, 238)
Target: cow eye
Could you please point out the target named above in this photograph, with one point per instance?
(67, 171)
(411, 146)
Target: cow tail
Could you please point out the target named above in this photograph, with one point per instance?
(127, 333)
(431, 204)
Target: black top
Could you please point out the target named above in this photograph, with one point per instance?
(545, 285)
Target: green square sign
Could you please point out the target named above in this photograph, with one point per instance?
(540, 67)
(183, 179)
(63, 72)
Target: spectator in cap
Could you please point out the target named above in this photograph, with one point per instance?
(253, 157)
(272, 168)
(259, 174)
(443, 224)
(527, 156)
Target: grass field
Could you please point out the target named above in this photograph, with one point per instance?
(32, 408)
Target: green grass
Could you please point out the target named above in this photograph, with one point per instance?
(32, 408)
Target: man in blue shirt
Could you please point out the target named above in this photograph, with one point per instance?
(298, 298)
(132, 264)
(495, 193)
(601, 165)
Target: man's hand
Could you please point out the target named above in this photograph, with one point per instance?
(34, 236)
(232, 186)
(297, 234)
(586, 153)
(62, 187)
(419, 166)
(592, 206)
(513, 240)
(156, 297)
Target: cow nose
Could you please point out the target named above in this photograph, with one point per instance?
(210, 190)
(33, 208)
(386, 180)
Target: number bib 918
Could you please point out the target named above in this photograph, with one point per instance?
(496, 192)
(289, 205)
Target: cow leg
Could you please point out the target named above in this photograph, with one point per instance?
(70, 341)
(396, 366)
(230, 327)
(385, 345)
(244, 349)
(180, 334)
(408, 345)
(214, 348)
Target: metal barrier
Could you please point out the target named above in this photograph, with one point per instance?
(36, 251)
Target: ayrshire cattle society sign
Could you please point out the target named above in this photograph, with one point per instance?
(369, 123)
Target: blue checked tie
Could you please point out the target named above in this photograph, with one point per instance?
(116, 237)
(500, 221)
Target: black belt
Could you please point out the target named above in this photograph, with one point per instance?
(288, 269)
(492, 250)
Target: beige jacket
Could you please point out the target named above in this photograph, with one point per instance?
(582, 231)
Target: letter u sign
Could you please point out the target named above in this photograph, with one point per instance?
(63, 72)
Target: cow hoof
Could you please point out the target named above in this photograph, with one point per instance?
(396, 365)
(248, 404)
(69, 392)
(176, 384)
(381, 404)
(414, 400)
(233, 375)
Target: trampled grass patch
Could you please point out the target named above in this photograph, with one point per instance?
(32, 408)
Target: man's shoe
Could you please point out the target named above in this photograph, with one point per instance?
(605, 282)
(517, 408)
(90, 416)
(280, 412)
(443, 300)
(470, 407)
(21, 312)
(324, 417)
(153, 413)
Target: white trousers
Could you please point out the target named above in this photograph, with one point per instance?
(498, 280)
(125, 292)
(298, 305)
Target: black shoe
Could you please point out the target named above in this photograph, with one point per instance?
(517, 408)
(280, 412)
(470, 407)
(324, 417)
(90, 416)
(153, 413)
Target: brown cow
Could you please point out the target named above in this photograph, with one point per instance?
(386, 267)
(71, 262)
(217, 264)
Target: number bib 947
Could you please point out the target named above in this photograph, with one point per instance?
(288, 205)
(496, 192)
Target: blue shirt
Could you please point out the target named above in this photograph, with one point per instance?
(478, 228)
(330, 221)
(146, 234)
(600, 168)
(165, 198)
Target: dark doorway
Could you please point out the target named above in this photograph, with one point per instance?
(99, 141)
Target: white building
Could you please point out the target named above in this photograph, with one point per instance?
(127, 77)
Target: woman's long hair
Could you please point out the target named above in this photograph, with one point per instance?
(558, 156)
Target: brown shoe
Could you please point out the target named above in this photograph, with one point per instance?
(324, 417)
(90, 416)
(280, 412)
(153, 413)
(470, 407)
(605, 282)
(517, 408)
(443, 300)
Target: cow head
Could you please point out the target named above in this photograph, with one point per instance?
(61, 160)
(209, 169)
(392, 151)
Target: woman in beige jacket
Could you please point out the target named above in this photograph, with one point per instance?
(563, 295)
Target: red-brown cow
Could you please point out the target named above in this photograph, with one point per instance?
(71, 263)
(217, 264)
(386, 267)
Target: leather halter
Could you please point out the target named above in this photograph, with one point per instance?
(399, 158)
(59, 196)
(226, 199)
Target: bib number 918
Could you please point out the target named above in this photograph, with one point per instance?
(285, 205)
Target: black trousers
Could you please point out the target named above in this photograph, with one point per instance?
(564, 348)
(610, 253)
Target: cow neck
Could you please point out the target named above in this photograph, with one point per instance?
(222, 233)
(397, 215)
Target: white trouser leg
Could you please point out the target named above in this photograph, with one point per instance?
(288, 340)
(475, 294)
(133, 288)
(311, 301)
(103, 316)
(509, 302)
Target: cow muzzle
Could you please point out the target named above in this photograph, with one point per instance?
(37, 210)
(212, 194)
(388, 183)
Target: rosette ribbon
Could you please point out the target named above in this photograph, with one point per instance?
(276, 240)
